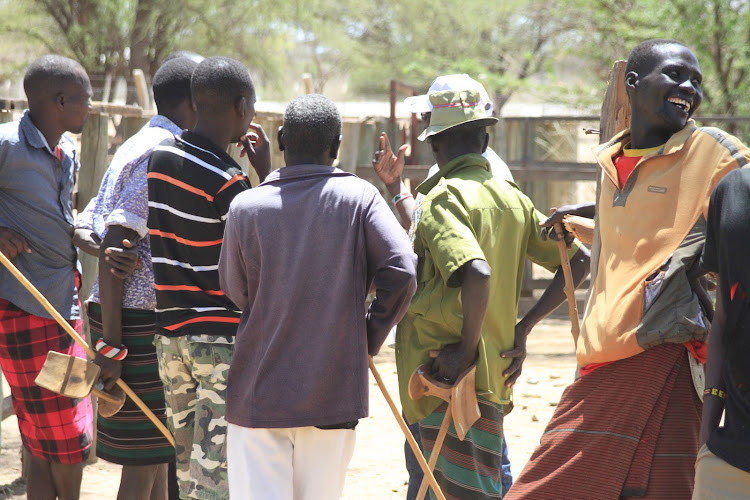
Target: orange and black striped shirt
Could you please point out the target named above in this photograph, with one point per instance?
(191, 183)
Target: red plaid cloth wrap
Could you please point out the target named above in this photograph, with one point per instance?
(53, 427)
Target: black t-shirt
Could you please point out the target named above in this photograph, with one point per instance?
(726, 253)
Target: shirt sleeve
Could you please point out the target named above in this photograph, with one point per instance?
(709, 261)
(234, 186)
(232, 269)
(130, 207)
(85, 219)
(545, 253)
(392, 263)
(447, 233)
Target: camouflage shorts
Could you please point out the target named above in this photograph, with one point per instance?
(194, 374)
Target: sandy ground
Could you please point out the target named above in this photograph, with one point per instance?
(377, 470)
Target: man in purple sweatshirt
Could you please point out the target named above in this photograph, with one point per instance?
(300, 253)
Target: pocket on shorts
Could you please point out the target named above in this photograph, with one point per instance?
(210, 362)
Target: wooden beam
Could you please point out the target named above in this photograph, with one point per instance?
(96, 107)
(615, 117)
(141, 88)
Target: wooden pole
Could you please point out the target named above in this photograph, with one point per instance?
(615, 117)
(429, 476)
(90, 352)
(307, 81)
(436, 450)
(141, 88)
(570, 289)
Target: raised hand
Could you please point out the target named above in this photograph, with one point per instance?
(257, 147)
(387, 165)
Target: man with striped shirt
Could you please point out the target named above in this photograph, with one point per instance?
(191, 182)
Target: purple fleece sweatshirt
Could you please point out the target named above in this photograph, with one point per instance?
(299, 255)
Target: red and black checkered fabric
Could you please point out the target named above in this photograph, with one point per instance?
(53, 427)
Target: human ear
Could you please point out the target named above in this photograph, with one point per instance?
(631, 80)
(240, 107)
(335, 145)
(280, 138)
(486, 142)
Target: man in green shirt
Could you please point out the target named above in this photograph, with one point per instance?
(472, 234)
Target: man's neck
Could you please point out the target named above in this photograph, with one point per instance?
(303, 159)
(215, 133)
(51, 133)
(643, 136)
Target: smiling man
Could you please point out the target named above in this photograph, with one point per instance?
(629, 426)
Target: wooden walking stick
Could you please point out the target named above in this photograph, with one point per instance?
(428, 475)
(89, 352)
(570, 289)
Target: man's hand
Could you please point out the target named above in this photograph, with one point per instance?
(111, 370)
(700, 285)
(452, 361)
(12, 243)
(123, 260)
(87, 240)
(518, 354)
(257, 147)
(582, 210)
(387, 165)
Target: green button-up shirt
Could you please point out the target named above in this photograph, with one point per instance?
(468, 214)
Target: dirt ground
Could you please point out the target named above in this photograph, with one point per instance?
(377, 470)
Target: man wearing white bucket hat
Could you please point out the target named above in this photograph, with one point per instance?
(389, 169)
(472, 234)
(391, 174)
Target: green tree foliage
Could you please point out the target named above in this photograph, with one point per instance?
(718, 31)
(509, 45)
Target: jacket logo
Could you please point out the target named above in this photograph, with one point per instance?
(657, 189)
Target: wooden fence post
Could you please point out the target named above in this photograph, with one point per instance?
(615, 117)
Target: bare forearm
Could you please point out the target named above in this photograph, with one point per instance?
(475, 294)
(111, 286)
(405, 207)
(110, 296)
(554, 295)
(713, 407)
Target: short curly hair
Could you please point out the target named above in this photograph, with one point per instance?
(642, 55)
(48, 74)
(312, 123)
(218, 82)
(171, 83)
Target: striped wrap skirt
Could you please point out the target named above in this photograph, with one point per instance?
(468, 469)
(626, 430)
(129, 437)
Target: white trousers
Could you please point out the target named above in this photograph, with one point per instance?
(300, 463)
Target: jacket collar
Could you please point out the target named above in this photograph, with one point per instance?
(606, 152)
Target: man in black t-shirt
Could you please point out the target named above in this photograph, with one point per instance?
(723, 464)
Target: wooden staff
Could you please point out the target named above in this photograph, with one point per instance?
(428, 475)
(90, 352)
(570, 289)
(442, 432)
